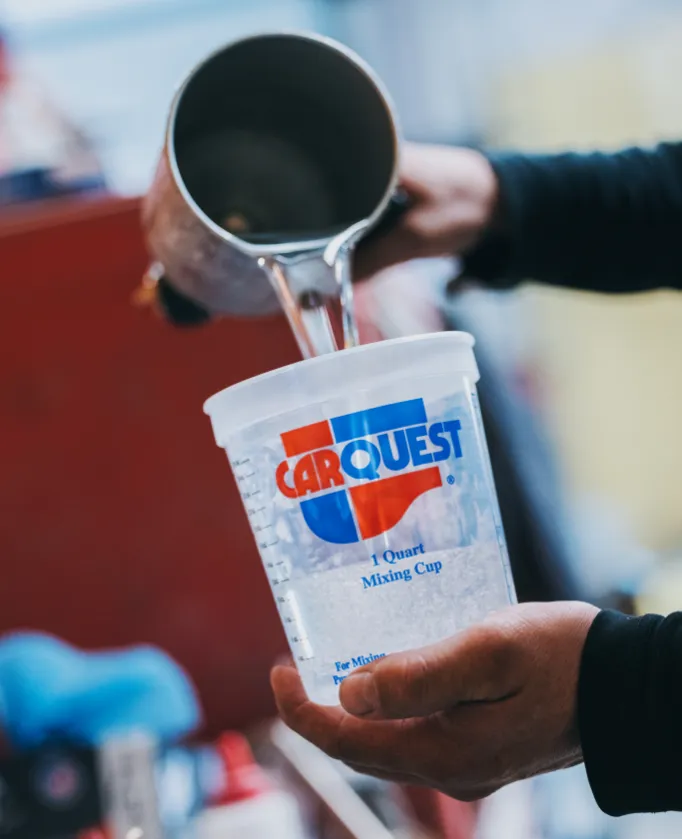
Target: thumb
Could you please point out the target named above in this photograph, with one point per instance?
(479, 665)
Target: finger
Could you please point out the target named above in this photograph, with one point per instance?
(414, 166)
(284, 660)
(479, 665)
(316, 723)
(403, 747)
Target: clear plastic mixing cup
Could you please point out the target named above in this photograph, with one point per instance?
(366, 479)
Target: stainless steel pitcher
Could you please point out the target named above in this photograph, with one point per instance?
(281, 152)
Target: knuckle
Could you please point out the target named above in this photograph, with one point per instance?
(417, 680)
(402, 683)
(498, 643)
(291, 716)
(503, 652)
(343, 746)
(326, 736)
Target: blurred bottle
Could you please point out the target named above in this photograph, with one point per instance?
(247, 805)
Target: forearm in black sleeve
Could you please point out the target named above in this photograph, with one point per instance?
(600, 222)
(630, 712)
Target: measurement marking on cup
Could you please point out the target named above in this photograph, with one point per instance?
(278, 570)
(265, 545)
(290, 613)
(259, 528)
(283, 573)
(251, 513)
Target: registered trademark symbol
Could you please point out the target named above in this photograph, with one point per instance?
(451, 479)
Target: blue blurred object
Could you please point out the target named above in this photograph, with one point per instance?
(39, 184)
(50, 691)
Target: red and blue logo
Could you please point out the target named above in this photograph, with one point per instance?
(355, 476)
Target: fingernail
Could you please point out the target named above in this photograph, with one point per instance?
(359, 695)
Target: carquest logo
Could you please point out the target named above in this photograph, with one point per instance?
(388, 453)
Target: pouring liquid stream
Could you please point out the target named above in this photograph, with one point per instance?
(315, 290)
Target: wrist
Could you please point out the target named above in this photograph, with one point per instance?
(626, 718)
(485, 195)
(490, 194)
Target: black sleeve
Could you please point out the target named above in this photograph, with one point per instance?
(600, 222)
(630, 712)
